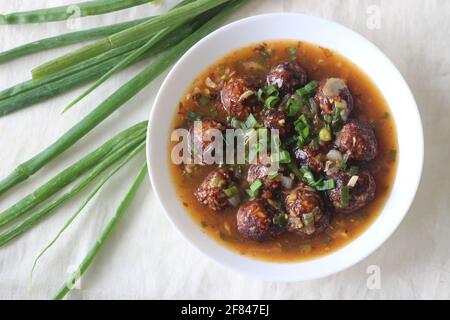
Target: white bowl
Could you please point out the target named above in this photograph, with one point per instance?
(324, 33)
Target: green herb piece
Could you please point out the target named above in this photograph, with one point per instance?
(329, 184)
(265, 92)
(294, 107)
(308, 89)
(251, 122)
(256, 185)
(354, 170)
(89, 8)
(87, 261)
(194, 116)
(231, 191)
(328, 118)
(273, 175)
(345, 195)
(280, 219)
(281, 157)
(293, 53)
(271, 101)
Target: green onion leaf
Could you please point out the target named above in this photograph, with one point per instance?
(204, 101)
(251, 121)
(294, 107)
(354, 170)
(345, 195)
(193, 116)
(273, 175)
(231, 191)
(292, 53)
(328, 118)
(281, 157)
(256, 185)
(271, 101)
(308, 89)
(326, 185)
(280, 219)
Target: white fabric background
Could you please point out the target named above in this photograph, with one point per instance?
(146, 258)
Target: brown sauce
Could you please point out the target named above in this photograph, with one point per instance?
(370, 105)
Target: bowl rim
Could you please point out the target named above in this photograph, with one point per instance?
(407, 200)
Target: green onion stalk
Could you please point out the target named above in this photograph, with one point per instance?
(65, 40)
(126, 138)
(89, 8)
(175, 16)
(72, 38)
(130, 148)
(87, 261)
(34, 91)
(91, 195)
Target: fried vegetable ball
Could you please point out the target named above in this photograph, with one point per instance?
(255, 221)
(307, 156)
(237, 98)
(361, 190)
(333, 94)
(287, 76)
(211, 192)
(305, 208)
(357, 140)
(277, 119)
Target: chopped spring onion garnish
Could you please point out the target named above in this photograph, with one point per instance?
(295, 170)
(280, 219)
(235, 123)
(265, 92)
(271, 101)
(252, 194)
(326, 185)
(328, 118)
(294, 107)
(308, 89)
(251, 121)
(325, 134)
(231, 191)
(204, 101)
(345, 195)
(343, 166)
(354, 170)
(273, 175)
(308, 219)
(315, 144)
(293, 53)
(352, 182)
(193, 116)
(281, 157)
(215, 182)
(308, 175)
(256, 185)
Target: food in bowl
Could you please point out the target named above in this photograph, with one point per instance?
(325, 176)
